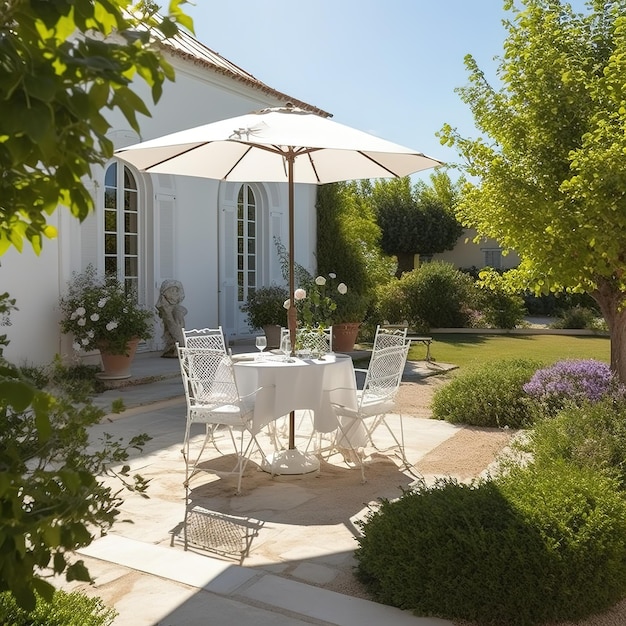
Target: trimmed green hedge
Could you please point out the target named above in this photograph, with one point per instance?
(489, 395)
(540, 544)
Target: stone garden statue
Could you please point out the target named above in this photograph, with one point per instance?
(172, 315)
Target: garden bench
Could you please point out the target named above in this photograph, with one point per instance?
(425, 340)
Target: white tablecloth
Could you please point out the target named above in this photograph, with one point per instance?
(312, 384)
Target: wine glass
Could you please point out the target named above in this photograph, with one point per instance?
(261, 342)
(285, 345)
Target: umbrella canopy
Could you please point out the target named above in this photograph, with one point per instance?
(257, 147)
(282, 144)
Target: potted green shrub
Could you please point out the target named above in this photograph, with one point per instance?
(265, 310)
(101, 314)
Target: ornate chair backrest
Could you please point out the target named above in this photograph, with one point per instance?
(313, 340)
(385, 373)
(212, 338)
(208, 376)
(389, 336)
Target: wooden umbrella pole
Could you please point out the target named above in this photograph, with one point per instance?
(292, 315)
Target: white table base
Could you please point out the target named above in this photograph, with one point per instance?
(291, 462)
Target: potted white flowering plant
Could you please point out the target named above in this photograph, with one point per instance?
(327, 302)
(100, 313)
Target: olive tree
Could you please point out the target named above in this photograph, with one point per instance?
(550, 162)
(415, 219)
(61, 64)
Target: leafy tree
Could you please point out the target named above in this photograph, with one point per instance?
(62, 64)
(348, 236)
(416, 220)
(550, 163)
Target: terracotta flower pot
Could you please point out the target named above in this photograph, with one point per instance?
(344, 336)
(117, 366)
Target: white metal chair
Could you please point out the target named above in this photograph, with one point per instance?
(387, 336)
(212, 338)
(316, 342)
(375, 401)
(213, 399)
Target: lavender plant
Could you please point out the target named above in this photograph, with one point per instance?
(573, 381)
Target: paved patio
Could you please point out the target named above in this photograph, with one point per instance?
(299, 532)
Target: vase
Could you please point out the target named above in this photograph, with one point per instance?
(344, 336)
(117, 366)
(272, 333)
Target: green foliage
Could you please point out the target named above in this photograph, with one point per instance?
(100, 310)
(488, 395)
(390, 302)
(78, 380)
(552, 304)
(51, 494)
(579, 317)
(591, 435)
(65, 609)
(501, 309)
(517, 550)
(416, 220)
(7, 304)
(63, 65)
(500, 306)
(348, 236)
(323, 302)
(435, 295)
(265, 306)
(550, 156)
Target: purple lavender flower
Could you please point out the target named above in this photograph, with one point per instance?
(573, 381)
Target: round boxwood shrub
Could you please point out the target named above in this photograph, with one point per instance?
(437, 296)
(501, 309)
(488, 395)
(534, 546)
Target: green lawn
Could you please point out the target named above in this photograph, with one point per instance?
(467, 350)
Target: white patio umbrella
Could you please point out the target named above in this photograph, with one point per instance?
(283, 144)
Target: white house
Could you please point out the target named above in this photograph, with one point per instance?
(214, 237)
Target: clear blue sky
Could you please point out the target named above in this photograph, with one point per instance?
(388, 68)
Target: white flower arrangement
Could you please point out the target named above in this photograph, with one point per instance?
(99, 311)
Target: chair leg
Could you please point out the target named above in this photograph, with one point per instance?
(208, 436)
(399, 441)
(343, 444)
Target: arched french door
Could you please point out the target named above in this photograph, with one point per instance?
(251, 218)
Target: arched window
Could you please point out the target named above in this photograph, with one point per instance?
(121, 225)
(247, 243)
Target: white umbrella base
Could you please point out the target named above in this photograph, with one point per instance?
(291, 462)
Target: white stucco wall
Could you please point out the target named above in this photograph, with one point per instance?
(197, 96)
(34, 282)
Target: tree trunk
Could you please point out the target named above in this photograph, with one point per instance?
(610, 299)
(406, 263)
